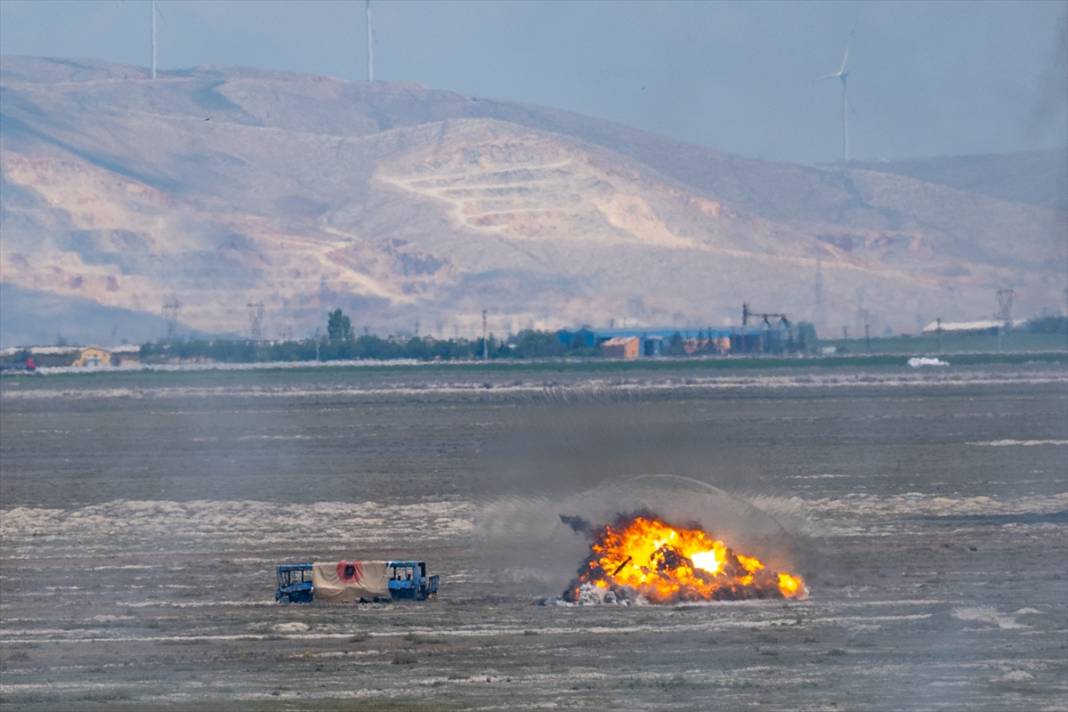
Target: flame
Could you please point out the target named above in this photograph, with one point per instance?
(665, 564)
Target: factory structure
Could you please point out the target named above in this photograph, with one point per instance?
(759, 333)
(74, 356)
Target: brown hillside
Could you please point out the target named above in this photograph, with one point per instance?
(397, 202)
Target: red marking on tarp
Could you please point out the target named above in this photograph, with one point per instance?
(350, 571)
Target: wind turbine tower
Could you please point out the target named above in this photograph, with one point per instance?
(843, 76)
(153, 39)
(817, 293)
(370, 45)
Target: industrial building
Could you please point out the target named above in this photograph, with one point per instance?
(624, 347)
(92, 357)
(987, 326)
(773, 337)
(78, 356)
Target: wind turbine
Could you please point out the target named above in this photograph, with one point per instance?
(153, 39)
(843, 75)
(370, 44)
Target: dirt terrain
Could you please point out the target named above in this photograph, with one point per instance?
(223, 186)
(143, 513)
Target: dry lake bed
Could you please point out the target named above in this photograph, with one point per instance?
(143, 515)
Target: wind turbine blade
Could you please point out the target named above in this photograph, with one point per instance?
(828, 76)
(845, 55)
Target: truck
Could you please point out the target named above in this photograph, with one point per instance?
(354, 581)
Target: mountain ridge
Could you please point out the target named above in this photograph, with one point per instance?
(403, 203)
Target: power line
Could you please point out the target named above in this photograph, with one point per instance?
(255, 318)
(172, 308)
(817, 289)
(1005, 298)
(485, 343)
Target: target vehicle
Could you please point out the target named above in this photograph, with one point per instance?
(354, 581)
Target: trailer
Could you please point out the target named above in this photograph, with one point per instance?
(354, 581)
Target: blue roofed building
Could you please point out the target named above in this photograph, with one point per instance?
(683, 341)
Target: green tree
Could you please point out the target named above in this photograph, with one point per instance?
(338, 326)
(537, 344)
(675, 346)
(1048, 325)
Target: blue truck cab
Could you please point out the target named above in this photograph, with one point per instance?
(407, 580)
(294, 583)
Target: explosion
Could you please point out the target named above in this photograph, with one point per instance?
(641, 554)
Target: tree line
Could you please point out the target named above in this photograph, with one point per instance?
(340, 343)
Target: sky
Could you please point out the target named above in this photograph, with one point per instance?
(925, 78)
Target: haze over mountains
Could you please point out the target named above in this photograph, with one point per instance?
(403, 204)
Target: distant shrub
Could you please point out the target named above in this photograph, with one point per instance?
(1048, 325)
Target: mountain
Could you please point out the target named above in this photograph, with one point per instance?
(43, 318)
(1035, 177)
(225, 187)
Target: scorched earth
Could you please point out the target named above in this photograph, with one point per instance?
(925, 513)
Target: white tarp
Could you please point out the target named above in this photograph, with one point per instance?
(349, 581)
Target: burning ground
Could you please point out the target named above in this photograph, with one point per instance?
(641, 558)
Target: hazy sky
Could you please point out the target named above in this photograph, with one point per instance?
(926, 78)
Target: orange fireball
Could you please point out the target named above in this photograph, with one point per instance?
(666, 564)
